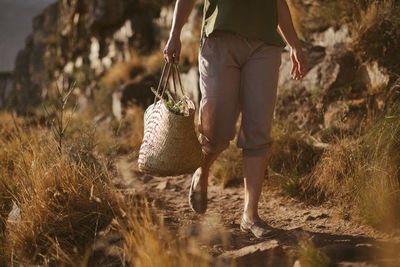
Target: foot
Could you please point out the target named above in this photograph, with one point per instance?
(258, 228)
(197, 195)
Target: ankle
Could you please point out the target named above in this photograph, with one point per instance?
(251, 217)
(202, 182)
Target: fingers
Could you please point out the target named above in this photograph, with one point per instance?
(299, 65)
(171, 57)
(172, 51)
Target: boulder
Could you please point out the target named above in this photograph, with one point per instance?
(138, 93)
(267, 253)
(330, 63)
(373, 75)
(104, 13)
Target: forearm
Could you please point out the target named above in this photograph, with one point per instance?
(183, 8)
(285, 24)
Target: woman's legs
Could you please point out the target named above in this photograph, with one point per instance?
(259, 79)
(253, 172)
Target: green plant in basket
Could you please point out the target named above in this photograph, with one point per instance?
(180, 106)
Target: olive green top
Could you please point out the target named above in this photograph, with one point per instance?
(256, 19)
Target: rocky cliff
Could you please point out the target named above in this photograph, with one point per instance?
(83, 37)
(114, 46)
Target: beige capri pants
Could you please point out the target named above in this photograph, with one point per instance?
(237, 74)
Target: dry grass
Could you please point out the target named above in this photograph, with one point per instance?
(364, 172)
(290, 159)
(149, 243)
(336, 169)
(376, 33)
(310, 256)
(66, 200)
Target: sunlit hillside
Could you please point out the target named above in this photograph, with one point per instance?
(71, 126)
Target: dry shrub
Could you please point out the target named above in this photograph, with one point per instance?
(334, 175)
(376, 33)
(290, 159)
(380, 200)
(364, 173)
(112, 137)
(64, 200)
(148, 242)
(310, 256)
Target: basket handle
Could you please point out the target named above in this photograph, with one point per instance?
(161, 88)
(176, 68)
(169, 69)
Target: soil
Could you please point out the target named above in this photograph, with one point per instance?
(329, 229)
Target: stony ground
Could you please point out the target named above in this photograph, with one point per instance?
(328, 228)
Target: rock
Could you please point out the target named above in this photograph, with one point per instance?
(267, 253)
(373, 75)
(82, 39)
(29, 72)
(330, 64)
(138, 93)
(104, 13)
(331, 38)
(331, 70)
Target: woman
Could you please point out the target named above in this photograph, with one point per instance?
(239, 63)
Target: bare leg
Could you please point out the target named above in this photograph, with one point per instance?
(253, 171)
(202, 183)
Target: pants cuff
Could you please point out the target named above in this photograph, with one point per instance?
(257, 152)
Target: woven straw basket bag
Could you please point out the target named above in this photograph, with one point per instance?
(170, 146)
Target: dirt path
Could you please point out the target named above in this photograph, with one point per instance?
(344, 241)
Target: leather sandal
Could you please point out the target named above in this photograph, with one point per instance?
(259, 228)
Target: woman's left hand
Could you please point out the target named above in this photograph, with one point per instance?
(299, 63)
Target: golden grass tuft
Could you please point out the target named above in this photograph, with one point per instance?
(310, 256)
(334, 174)
(290, 159)
(364, 172)
(64, 200)
(149, 243)
(67, 198)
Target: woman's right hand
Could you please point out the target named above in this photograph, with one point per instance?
(172, 50)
